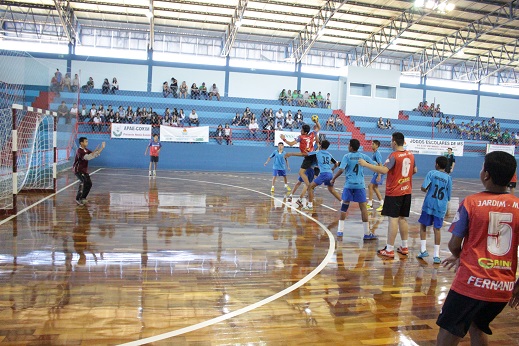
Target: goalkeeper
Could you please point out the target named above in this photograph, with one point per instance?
(83, 155)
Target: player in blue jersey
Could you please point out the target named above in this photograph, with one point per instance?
(326, 164)
(438, 185)
(354, 187)
(280, 165)
(377, 179)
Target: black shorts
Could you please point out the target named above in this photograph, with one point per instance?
(154, 159)
(459, 312)
(512, 185)
(396, 206)
(308, 162)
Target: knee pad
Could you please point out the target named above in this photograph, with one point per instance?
(344, 207)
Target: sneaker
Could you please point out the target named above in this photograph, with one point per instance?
(150, 174)
(437, 260)
(380, 208)
(369, 207)
(308, 207)
(79, 202)
(272, 189)
(154, 173)
(385, 253)
(423, 254)
(84, 201)
(403, 250)
(370, 236)
(288, 188)
(339, 234)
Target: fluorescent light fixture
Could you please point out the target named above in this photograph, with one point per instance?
(149, 14)
(450, 7)
(419, 3)
(238, 22)
(510, 84)
(411, 73)
(430, 4)
(460, 53)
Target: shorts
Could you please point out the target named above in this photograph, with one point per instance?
(428, 220)
(396, 206)
(353, 195)
(308, 162)
(154, 159)
(459, 312)
(309, 173)
(512, 185)
(279, 172)
(374, 180)
(324, 178)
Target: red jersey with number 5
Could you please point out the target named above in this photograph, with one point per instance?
(489, 224)
(400, 175)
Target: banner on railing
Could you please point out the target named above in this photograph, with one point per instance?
(434, 146)
(499, 147)
(184, 134)
(289, 135)
(135, 131)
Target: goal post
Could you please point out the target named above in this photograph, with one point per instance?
(28, 155)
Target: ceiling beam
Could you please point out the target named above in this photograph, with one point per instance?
(428, 59)
(232, 29)
(508, 76)
(314, 29)
(68, 19)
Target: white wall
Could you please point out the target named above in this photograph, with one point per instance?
(498, 107)
(161, 74)
(259, 86)
(453, 103)
(409, 98)
(372, 106)
(33, 71)
(129, 76)
(324, 86)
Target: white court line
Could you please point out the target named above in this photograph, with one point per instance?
(256, 305)
(41, 200)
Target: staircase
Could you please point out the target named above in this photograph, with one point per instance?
(355, 131)
(44, 100)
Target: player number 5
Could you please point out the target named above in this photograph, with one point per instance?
(499, 240)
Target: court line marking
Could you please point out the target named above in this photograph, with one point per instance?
(41, 200)
(253, 306)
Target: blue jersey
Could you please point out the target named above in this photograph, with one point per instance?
(378, 160)
(439, 186)
(279, 160)
(354, 171)
(325, 161)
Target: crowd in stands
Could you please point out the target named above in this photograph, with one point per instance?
(296, 98)
(58, 83)
(195, 92)
(384, 125)
(431, 110)
(484, 131)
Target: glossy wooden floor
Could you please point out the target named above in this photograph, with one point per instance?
(196, 258)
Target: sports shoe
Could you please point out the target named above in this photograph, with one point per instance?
(423, 254)
(339, 234)
(369, 207)
(84, 201)
(380, 208)
(370, 236)
(154, 173)
(150, 174)
(308, 207)
(403, 250)
(79, 202)
(385, 253)
(437, 260)
(288, 188)
(272, 189)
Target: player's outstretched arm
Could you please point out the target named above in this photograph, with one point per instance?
(374, 168)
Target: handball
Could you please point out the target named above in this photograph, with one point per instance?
(315, 118)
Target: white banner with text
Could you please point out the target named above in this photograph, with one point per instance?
(289, 135)
(135, 131)
(434, 146)
(499, 147)
(184, 134)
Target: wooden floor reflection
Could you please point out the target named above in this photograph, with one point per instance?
(151, 256)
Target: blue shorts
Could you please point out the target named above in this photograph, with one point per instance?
(279, 172)
(374, 180)
(354, 195)
(324, 178)
(427, 220)
(309, 173)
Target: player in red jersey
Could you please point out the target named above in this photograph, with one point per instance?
(487, 225)
(154, 147)
(83, 155)
(400, 167)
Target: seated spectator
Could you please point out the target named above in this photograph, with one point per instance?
(193, 118)
(181, 117)
(63, 110)
(54, 85)
(101, 111)
(330, 123)
(264, 117)
(246, 117)
(195, 93)
(72, 114)
(75, 83)
(388, 124)
(516, 138)
(268, 129)
(452, 125)
(419, 108)
(218, 134)
(295, 97)
(84, 114)
(380, 124)
(105, 88)
(213, 91)
(183, 90)
(67, 82)
(174, 87)
(165, 89)
(328, 101)
(430, 111)
(298, 117)
(319, 100)
(129, 114)
(425, 108)
(306, 99)
(506, 138)
(236, 120)
(118, 119)
(110, 114)
(289, 97)
(279, 126)
(122, 112)
(89, 85)
(93, 112)
(115, 85)
(203, 91)
(289, 121)
(96, 123)
(439, 124)
(312, 102)
(227, 134)
(339, 125)
(283, 96)
(437, 111)
(279, 119)
(253, 128)
(300, 99)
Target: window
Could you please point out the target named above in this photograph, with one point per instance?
(385, 92)
(358, 89)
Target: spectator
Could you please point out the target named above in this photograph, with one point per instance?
(282, 96)
(313, 100)
(84, 114)
(268, 129)
(93, 111)
(300, 99)
(89, 85)
(419, 108)
(193, 118)
(115, 85)
(339, 126)
(181, 117)
(264, 117)
(330, 123)
(101, 111)
(388, 124)
(118, 119)
(67, 83)
(75, 83)
(236, 120)
(122, 112)
(59, 77)
(289, 98)
(319, 100)
(328, 101)
(105, 88)
(96, 123)
(227, 133)
(279, 126)
(73, 113)
(174, 87)
(439, 124)
(289, 121)
(195, 93)
(218, 134)
(203, 91)
(279, 119)
(298, 117)
(380, 124)
(253, 128)
(506, 138)
(165, 89)
(213, 91)
(306, 99)
(109, 115)
(183, 90)
(63, 110)
(129, 114)
(245, 119)
(54, 85)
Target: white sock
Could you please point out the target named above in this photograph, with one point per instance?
(436, 250)
(423, 246)
(272, 186)
(390, 247)
(340, 227)
(286, 185)
(310, 204)
(404, 243)
(366, 228)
